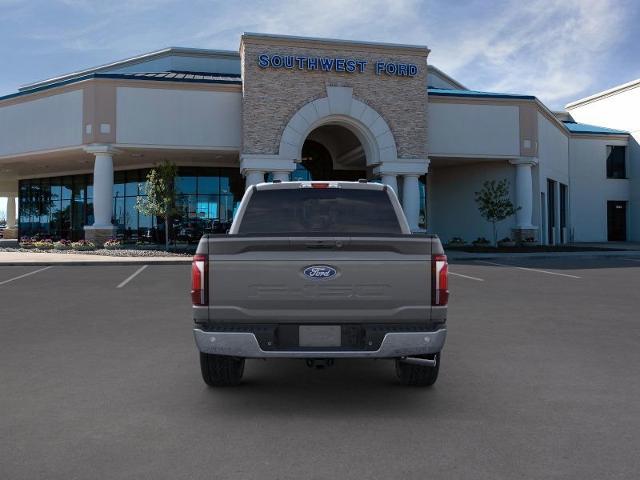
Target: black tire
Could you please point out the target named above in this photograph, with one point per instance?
(220, 370)
(418, 375)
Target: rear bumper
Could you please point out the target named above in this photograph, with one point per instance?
(245, 344)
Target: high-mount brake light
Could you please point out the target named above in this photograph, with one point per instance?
(439, 281)
(199, 279)
(319, 185)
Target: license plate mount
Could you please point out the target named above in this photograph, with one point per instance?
(320, 336)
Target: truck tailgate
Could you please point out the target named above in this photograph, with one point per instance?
(373, 279)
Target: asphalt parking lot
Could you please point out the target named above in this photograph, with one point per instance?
(540, 379)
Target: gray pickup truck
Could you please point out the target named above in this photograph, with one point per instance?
(319, 271)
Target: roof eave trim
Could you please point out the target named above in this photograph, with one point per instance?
(129, 61)
(116, 76)
(446, 76)
(283, 38)
(466, 94)
(603, 94)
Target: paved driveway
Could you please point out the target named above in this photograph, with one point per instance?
(540, 379)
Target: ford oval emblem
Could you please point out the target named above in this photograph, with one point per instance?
(319, 272)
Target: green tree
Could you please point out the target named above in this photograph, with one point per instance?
(160, 199)
(494, 203)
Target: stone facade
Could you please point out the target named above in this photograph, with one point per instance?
(98, 235)
(271, 96)
(524, 234)
(10, 233)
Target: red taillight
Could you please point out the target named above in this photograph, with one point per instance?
(439, 280)
(199, 275)
(319, 185)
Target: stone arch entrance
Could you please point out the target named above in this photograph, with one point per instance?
(343, 115)
(333, 152)
(341, 109)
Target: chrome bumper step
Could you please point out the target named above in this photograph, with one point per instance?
(394, 345)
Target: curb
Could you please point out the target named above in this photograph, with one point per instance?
(560, 255)
(83, 263)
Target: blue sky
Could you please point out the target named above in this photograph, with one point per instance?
(558, 50)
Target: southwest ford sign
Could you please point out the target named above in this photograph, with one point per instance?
(334, 64)
(319, 272)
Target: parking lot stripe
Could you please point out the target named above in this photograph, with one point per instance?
(132, 276)
(25, 275)
(466, 276)
(528, 269)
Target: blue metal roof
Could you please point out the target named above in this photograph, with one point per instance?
(173, 76)
(575, 127)
(444, 92)
(176, 75)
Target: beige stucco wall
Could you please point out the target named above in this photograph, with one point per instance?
(458, 129)
(271, 96)
(178, 117)
(50, 122)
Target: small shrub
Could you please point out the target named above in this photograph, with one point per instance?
(83, 245)
(112, 244)
(481, 241)
(62, 245)
(506, 242)
(43, 244)
(26, 242)
(457, 241)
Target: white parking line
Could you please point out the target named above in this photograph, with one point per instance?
(466, 276)
(25, 275)
(528, 269)
(132, 276)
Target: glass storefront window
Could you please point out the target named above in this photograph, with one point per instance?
(422, 220)
(131, 185)
(186, 184)
(89, 183)
(118, 215)
(131, 218)
(301, 174)
(119, 179)
(59, 207)
(211, 185)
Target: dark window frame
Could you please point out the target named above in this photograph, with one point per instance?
(616, 165)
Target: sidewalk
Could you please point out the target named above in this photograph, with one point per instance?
(457, 255)
(32, 258)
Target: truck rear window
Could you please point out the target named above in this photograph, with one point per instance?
(322, 211)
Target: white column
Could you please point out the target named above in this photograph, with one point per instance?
(390, 180)
(281, 175)
(103, 190)
(411, 199)
(253, 177)
(11, 211)
(524, 192)
(253, 167)
(102, 187)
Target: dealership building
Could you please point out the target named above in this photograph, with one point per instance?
(75, 149)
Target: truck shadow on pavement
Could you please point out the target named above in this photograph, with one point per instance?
(289, 387)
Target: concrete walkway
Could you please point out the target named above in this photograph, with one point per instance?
(457, 255)
(33, 258)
